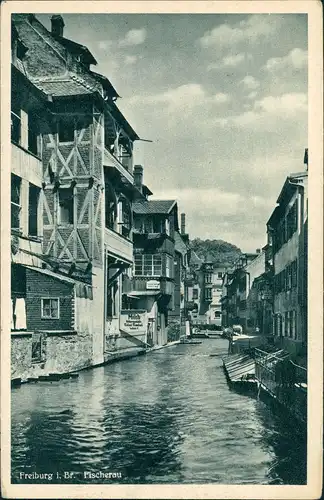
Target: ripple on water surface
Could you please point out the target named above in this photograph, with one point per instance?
(169, 417)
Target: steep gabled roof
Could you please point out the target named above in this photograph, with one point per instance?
(76, 48)
(180, 245)
(106, 84)
(63, 86)
(162, 207)
(194, 259)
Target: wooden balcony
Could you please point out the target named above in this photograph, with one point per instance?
(111, 161)
(118, 245)
(25, 250)
(26, 165)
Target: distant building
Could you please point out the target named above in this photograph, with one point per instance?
(181, 268)
(214, 312)
(287, 229)
(192, 288)
(238, 291)
(153, 284)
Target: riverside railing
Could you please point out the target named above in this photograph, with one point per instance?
(283, 379)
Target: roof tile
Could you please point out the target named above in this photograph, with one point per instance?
(154, 207)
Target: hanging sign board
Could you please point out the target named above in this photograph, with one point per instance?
(153, 285)
(133, 321)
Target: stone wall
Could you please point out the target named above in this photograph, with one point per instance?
(61, 353)
(21, 354)
(67, 352)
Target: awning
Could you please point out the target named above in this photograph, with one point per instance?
(131, 296)
(143, 293)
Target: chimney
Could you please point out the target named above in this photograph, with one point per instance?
(258, 250)
(57, 25)
(138, 177)
(183, 224)
(306, 158)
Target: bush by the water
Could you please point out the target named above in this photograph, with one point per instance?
(173, 332)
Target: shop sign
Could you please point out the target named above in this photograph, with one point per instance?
(133, 321)
(153, 285)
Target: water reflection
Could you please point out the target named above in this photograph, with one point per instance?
(168, 417)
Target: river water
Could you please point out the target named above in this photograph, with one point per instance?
(167, 417)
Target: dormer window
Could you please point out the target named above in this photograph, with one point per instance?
(66, 130)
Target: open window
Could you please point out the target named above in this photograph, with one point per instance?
(110, 206)
(66, 204)
(125, 216)
(15, 121)
(15, 201)
(126, 153)
(111, 308)
(34, 193)
(36, 348)
(33, 134)
(66, 129)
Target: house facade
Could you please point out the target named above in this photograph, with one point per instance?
(288, 229)
(239, 291)
(181, 269)
(214, 313)
(192, 288)
(153, 283)
(72, 188)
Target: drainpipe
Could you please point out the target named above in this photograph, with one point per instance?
(247, 294)
(300, 290)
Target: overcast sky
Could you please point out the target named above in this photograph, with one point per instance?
(224, 100)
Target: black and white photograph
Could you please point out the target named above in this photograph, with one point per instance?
(157, 261)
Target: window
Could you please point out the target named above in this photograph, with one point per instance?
(167, 227)
(125, 216)
(217, 314)
(168, 266)
(208, 294)
(294, 274)
(34, 192)
(65, 212)
(158, 225)
(293, 324)
(36, 348)
(286, 323)
(66, 130)
(110, 205)
(112, 298)
(15, 124)
(144, 225)
(15, 201)
(195, 293)
(290, 325)
(220, 275)
(24, 128)
(147, 224)
(208, 278)
(50, 308)
(32, 134)
(148, 265)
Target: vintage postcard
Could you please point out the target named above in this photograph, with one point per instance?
(161, 249)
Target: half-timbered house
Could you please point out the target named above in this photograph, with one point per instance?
(84, 181)
(155, 225)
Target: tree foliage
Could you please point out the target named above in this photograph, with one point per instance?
(220, 252)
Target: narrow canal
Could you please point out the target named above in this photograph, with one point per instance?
(168, 417)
